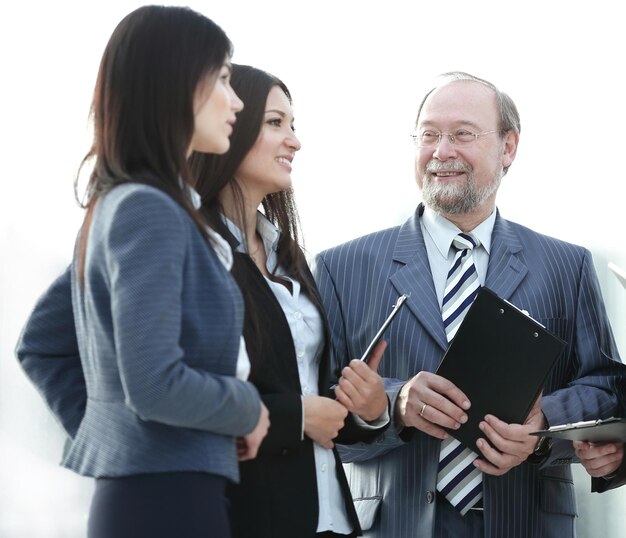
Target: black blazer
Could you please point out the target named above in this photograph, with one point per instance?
(277, 495)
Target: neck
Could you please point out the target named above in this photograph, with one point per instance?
(232, 208)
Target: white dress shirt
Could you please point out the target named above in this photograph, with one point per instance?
(439, 233)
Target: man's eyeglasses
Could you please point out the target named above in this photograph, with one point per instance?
(460, 137)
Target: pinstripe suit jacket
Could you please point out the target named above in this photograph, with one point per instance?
(157, 326)
(393, 480)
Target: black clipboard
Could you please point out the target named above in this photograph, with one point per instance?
(610, 430)
(500, 358)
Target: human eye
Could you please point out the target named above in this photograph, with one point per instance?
(225, 74)
(464, 136)
(274, 122)
(428, 138)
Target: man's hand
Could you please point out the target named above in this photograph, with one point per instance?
(430, 403)
(599, 459)
(360, 388)
(512, 443)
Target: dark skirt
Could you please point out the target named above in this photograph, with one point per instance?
(160, 505)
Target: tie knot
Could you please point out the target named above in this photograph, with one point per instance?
(465, 242)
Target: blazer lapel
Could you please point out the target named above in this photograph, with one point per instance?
(506, 271)
(415, 276)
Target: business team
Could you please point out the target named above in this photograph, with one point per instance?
(168, 394)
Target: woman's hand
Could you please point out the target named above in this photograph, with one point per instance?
(323, 418)
(248, 445)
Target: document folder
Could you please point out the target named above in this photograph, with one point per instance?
(500, 358)
(610, 430)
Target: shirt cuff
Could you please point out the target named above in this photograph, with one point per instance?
(375, 424)
(302, 427)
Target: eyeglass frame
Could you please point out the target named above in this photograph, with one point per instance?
(416, 137)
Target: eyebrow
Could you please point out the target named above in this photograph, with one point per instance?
(280, 113)
(458, 124)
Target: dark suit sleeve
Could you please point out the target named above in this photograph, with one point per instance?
(48, 352)
(285, 433)
(353, 432)
(598, 370)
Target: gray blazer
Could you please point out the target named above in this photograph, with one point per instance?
(157, 325)
(393, 480)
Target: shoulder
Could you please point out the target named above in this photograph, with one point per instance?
(136, 206)
(363, 244)
(530, 238)
(139, 197)
(135, 222)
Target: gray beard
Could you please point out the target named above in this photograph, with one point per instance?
(456, 199)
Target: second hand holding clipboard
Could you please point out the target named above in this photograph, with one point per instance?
(610, 430)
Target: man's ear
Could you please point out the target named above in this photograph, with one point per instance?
(509, 148)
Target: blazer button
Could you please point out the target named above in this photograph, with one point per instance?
(430, 497)
(284, 451)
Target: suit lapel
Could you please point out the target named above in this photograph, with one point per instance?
(506, 270)
(415, 276)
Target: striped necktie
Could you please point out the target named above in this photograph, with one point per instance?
(457, 479)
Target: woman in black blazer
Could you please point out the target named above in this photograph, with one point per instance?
(296, 486)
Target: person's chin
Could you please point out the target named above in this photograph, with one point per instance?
(221, 146)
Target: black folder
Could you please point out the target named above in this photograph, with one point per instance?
(610, 430)
(500, 358)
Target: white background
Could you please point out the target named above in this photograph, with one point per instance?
(357, 71)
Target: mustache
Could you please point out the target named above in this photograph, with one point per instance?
(451, 166)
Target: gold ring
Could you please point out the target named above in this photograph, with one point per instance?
(422, 411)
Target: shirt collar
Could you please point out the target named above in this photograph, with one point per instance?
(191, 193)
(443, 232)
(220, 245)
(268, 231)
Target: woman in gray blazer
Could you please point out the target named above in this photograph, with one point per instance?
(153, 406)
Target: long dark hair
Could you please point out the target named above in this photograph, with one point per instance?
(215, 172)
(142, 106)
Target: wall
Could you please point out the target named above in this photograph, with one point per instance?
(357, 71)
